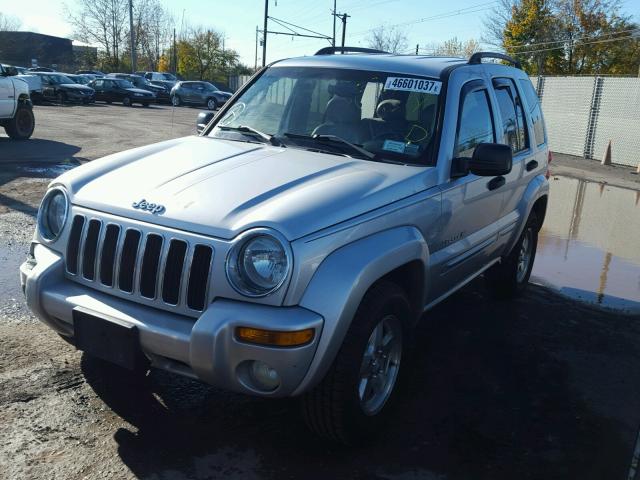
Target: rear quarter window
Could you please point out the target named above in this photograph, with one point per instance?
(535, 112)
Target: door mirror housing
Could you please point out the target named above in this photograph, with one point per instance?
(203, 120)
(488, 160)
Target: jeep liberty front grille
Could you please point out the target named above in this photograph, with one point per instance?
(154, 265)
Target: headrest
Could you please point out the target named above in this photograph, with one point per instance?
(343, 89)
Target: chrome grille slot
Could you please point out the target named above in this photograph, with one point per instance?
(197, 287)
(90, 249)
(128, 260)
(149, 264)
(173, 271)
(108, 254)
(73, 247)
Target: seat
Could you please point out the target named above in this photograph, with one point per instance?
(342, 115)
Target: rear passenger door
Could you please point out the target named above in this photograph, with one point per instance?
(471, 206)
(512, 131)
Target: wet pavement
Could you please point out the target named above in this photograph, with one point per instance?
(589, 246)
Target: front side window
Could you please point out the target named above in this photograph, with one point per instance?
(475, 123)
(389, 116)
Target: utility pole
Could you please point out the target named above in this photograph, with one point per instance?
(264, 32)
(333, 12)
(344, 17)
(175, 53)
(133, 37)
(255, 65)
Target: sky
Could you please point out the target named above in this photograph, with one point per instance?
(424, 22)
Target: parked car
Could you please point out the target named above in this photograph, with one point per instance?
(291, 248)
(95, 73)
(198, 93)
(41, 69)
(33, 81)
(79, 79)
(159, 90)
(59, 88)
(16, 113)
(166, 79)
(116, 90)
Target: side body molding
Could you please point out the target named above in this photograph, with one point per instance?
(344, 277)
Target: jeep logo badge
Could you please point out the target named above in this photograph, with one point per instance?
(149, 207)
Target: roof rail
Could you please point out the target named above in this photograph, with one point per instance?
(334, 50)
(477, 57)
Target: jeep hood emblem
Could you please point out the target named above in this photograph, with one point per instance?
(149, 207)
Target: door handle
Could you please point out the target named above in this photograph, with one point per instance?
(496, 183)
(532, 165)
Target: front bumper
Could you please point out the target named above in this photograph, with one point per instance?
(205, 349)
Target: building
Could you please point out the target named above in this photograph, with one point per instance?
(27, 49)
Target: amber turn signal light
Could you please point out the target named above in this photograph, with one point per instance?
(275, 338)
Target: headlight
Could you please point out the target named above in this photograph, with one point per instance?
(53, 213)
(258, 264)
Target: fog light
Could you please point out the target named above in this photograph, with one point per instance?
(264, 376)
(275, 338)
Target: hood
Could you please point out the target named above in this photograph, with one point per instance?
(139, 90)
(220, 188)
(75, 86)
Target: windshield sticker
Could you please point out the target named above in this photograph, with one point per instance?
(393, 146)
(413, 85)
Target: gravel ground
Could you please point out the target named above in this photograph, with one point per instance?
(542, 387)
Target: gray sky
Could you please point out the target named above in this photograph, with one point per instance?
(423, 21)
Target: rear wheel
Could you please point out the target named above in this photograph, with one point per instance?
(21, 126)
(212, 104)
(510, 277)
(145, 104)
(126, 101)
(351, 401)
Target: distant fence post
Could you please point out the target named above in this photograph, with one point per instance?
(593, 118)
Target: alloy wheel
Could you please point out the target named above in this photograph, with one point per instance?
(524, 256)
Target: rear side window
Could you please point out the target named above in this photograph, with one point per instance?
(475, 123)
(513, 126)
(535, 112)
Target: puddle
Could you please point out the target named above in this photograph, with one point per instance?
(589, 246)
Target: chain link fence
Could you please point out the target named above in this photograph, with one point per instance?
(584, 114)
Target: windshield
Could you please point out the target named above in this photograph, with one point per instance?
(124, 83)
(60, 79)
(391, 116)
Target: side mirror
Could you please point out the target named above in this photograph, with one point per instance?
(10, 71)
(203, 120)
(488, 160)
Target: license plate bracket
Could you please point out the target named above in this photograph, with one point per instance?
(108, 339)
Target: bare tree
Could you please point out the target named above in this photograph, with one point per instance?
(153, 26)
(455, 48)
(388, 39)
(101, 22)
(9, 22)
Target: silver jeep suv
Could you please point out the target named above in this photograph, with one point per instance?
(289, 249)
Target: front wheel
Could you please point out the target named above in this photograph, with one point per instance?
(510, 277)
(60, 98)
(145, 104)
(351, 401)
(175, 101)
(126, 101)
(212, 104)
(21, 126)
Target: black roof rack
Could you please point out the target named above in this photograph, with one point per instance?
(334, 50)
(477, 57)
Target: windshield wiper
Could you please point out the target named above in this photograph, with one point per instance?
(336, 139)
(247, 129)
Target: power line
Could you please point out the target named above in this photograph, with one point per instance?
(586, 37)
(562, 47)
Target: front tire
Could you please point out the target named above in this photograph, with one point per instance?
(176, 101)
(212, 104)
(126, 101)
(510, 277)
(60, 98)
(350, 403)
(21, 126)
